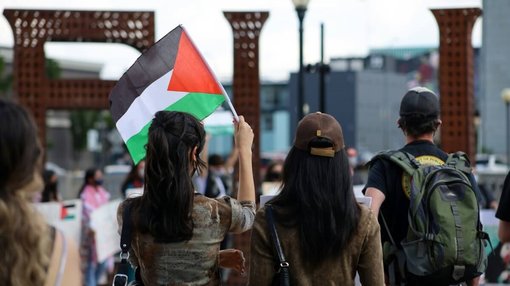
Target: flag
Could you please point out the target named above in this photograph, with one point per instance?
(170, 75)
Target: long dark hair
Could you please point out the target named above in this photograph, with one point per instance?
(317, 198)
(89, 174)
(166, 206)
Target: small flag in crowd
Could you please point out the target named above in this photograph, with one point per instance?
(170, 75)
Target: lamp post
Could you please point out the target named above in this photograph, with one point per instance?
(300, 6)
(505, 95)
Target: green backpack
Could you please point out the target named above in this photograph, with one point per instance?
(445, 240)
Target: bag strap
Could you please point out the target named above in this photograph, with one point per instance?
(460, 161)
(283, 264)
(404, 160)
(121, 278)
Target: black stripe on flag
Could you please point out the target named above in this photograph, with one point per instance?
(151, 65)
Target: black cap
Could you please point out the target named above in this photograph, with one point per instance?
(420, 101)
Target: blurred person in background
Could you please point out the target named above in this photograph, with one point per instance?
(135, 178)
(92, 195)
(32, 253)
(50, 191)
(352, 154)
(216, 180)
(272, 178)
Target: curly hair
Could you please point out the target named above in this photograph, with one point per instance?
(24, 236)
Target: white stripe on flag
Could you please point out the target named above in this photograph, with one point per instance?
(154, 98)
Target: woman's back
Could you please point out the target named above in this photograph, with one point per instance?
(361, 252)
(177, 233)
(195, 261)
(325, 234)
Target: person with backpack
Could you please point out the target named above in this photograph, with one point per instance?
(427, 202)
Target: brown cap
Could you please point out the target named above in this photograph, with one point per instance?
(319, 125)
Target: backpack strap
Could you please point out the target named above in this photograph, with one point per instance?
(404, 160)
(459, 161)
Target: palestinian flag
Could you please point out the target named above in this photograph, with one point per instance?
(170, 75)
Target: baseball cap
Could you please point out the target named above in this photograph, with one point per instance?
(420, 101)
(319, 125)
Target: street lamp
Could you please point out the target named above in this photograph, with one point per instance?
(300, 6)
(505, 95)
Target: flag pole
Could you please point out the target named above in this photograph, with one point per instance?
(227, 98)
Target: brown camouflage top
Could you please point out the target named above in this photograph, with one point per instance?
(193, 262)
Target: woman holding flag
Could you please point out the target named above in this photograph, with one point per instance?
(176, 231)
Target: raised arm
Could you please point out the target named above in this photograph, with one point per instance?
(243, 141)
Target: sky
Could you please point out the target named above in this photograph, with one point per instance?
(352, 27)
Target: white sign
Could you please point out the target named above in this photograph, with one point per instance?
(134, 192)
(103, 221)
(66, 216)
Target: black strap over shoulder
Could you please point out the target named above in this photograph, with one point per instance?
(121, 278)
(126, 234)
(283, 266)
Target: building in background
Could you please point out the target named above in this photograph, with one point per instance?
(495, 74)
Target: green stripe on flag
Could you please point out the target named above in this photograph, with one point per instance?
(199, 105)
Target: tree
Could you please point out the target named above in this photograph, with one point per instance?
(5, 79)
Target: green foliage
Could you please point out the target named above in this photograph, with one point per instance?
(5, 80)
(52, 69)
(81, 122)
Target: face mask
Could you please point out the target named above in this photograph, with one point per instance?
(99, 182)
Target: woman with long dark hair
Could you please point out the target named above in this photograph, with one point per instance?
(31, 252)
(176, 231)
(325, 234)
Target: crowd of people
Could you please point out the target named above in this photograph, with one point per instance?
(313, 227)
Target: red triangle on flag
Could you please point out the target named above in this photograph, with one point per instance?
(191, 73)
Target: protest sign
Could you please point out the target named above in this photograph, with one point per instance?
(65, 216)
(103, 221)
